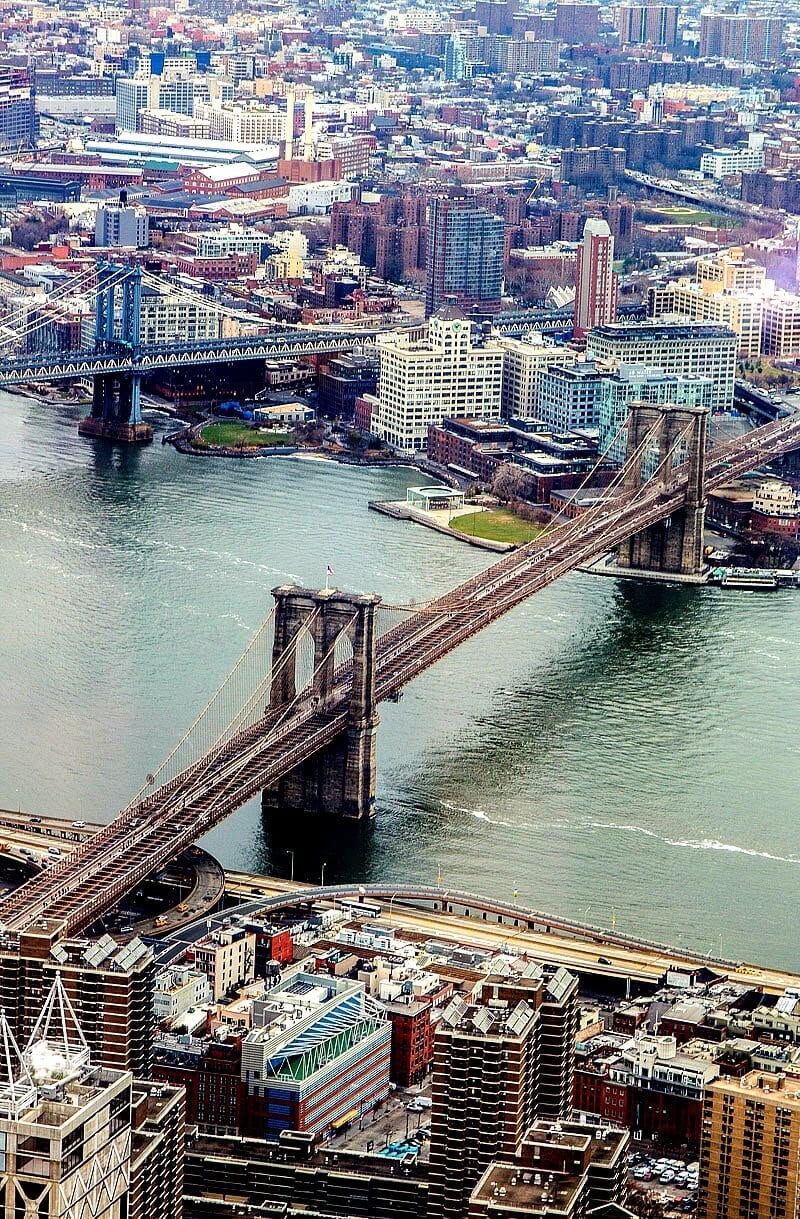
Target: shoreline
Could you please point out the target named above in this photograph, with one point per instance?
(401, 512)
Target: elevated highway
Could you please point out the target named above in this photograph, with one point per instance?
(28, 840)
(430, 912)
(458, 918)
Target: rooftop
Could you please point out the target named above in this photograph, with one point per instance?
(510, 1186)
(662, 330)
(361, 1162)
(764, 1086)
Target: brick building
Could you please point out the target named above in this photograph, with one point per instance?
(210, 1070)
(412, 1040)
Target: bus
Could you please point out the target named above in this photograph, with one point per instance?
(360, 908)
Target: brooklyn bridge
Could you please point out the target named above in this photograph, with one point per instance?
(297, 717)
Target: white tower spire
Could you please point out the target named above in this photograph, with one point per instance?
(57, 1048)
(17, 1089)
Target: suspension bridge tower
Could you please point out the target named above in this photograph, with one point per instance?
(677, 434)
(116, 412)
(339, 779)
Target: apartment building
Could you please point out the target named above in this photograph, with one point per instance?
(781, 328)
(227, 958)
(750, 1150)
(776, 508)
(565, 1169)
(158, 1148)
(116, 224)
(465, 255)
(595, 280)
(110, 986)
(177, 989)
(497, 1060)
(748, 39)
(431, 373)
(231, 239)
(653, 25)
(19, 121)
(702, 349)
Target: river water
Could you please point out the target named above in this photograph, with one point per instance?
(625, 754)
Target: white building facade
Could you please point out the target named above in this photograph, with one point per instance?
(431, 374)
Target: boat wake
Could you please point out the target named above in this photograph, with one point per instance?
(693, 844)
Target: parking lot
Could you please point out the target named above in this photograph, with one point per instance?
(668, 1180)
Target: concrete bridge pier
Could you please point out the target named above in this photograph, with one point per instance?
(673, 546)
(116, 410)
(339, 781)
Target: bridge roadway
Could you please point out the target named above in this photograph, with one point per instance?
(26, 838)
(280, 345)
(73, 894)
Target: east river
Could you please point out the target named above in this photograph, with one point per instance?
(613, 752)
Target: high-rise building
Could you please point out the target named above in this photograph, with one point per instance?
(78, 1139)
(116, 224)
(19, 122)
(654, 25)
(429, 374)
(133, 95)
(110, 986)
(700, 348)
(750, 1149)
(781, 332)
(741, 37)
(494, 1060)
(464, 256)
(158, 1146)
(455, 58)
(495, 15)
(577, 22)
(595, 278)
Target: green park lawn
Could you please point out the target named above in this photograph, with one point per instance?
(675, 215)
(235, 435)
(497, 525)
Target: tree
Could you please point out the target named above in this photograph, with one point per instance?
(512, 482)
